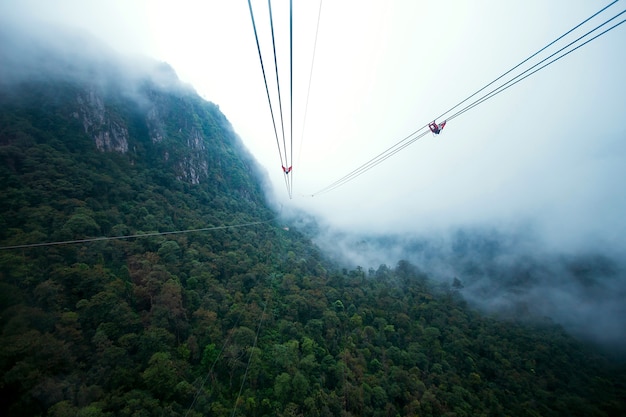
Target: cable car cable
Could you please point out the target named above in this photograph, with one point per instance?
(401, 144)
(529, 58)
(291, 92)
(138, 235)
(308, 92)
(280, 101)
(267, 91)
(511, 82)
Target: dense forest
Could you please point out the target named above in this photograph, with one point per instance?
(245, 318)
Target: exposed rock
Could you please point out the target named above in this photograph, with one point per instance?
(155, 126)
(108, 135)
(195, 166)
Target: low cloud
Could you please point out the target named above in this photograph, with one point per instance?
(37, 51)
(510, 273)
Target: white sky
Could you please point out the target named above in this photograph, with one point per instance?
(549, 152)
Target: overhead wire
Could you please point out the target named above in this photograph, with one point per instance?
(269, 100)
(210, 371)
(245, 375)
(138, 235)
(374, 161)
(280, 101)
(408, 140)
(291, 92)
(308, 92)
(519, 77)
(527, 59)
(285, 153)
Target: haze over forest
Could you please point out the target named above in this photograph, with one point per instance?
(328, 320)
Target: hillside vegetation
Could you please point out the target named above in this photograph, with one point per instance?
(246, 321)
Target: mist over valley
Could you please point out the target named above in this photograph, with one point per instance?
(511, 274)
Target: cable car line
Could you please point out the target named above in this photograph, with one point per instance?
(373, 162)
(210, 371)
(256, 36)
(287, 166)
(517, 78)
(280, 101)
(291, 89)
(245, 375)
(138, 235)
(528, 59)
(308, 92)
(408, 140)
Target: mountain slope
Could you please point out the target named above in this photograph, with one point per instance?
(246, 320)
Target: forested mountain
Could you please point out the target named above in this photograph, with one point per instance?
(245, 320)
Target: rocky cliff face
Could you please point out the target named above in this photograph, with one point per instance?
(106, 127)
(108, 134)
(138, 108)
(100, 112)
